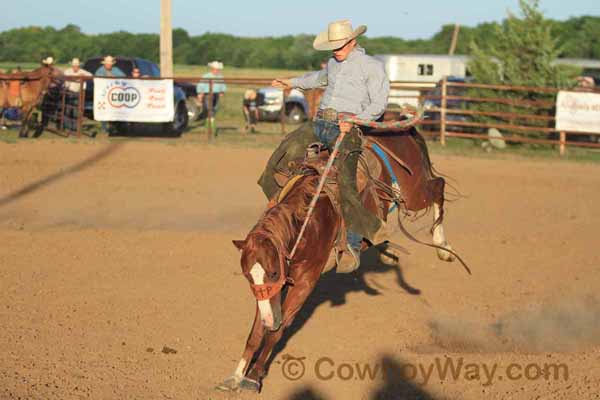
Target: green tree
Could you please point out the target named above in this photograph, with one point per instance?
(523, 54)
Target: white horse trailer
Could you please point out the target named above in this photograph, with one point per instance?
(419, 70)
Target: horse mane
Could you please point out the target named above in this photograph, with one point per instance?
(283, 221)
(36, 74)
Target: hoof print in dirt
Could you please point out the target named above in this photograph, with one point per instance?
(231, 384)
(250, 385)
(168, 350)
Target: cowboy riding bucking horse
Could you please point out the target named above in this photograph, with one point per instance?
(355, 84)
(331, 185)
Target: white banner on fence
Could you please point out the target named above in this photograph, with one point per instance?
(133, 100)
(578, 112)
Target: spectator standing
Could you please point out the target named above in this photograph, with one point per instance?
(108, 69)
(250, 108)
(219, 89)
(72, 94)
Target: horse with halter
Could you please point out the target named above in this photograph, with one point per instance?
(285, 253)
(25, 91)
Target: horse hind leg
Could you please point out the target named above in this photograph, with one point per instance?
(437, 230)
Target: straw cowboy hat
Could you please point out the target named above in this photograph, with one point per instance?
(75, 62)
(215, 65)
(48, 61)
(108, 60)
(338, 33)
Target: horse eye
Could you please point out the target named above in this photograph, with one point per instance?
(275, 275)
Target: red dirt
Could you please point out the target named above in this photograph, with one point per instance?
(105, 262)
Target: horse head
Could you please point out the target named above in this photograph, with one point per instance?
(263, 264)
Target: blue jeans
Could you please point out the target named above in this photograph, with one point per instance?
(327, 132)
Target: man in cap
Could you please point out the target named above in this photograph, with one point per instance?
(355, 85)
(203, 90)
(72, 95)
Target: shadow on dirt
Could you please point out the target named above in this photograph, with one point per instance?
(63, 173)
(395, 384)
(333, 288)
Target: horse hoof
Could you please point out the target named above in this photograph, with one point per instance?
(444, 255)
(250, 385)
(231, 384)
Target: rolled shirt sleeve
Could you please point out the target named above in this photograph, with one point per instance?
(312, 80)
(378, 88)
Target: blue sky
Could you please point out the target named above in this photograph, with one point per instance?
(403, 18)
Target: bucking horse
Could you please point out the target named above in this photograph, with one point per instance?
(395, 171)
(25, 91)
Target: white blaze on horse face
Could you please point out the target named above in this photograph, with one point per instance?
(264, 306)
(258, 274)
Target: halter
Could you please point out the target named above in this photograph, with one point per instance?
(266, 291)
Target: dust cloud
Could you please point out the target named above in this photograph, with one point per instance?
(569, 325)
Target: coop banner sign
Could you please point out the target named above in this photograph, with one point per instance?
(578, 112)
(133, 100)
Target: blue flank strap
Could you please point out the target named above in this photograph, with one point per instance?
(386, 162)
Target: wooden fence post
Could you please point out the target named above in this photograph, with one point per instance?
(443, 112)
(209, 102)
(282, 111)
(63, 103)
(563, 144)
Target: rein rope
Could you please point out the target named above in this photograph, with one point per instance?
(412, 116)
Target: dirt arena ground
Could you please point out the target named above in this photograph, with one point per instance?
(119, 280)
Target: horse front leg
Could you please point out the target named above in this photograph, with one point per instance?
(439, 237)
(255, 338)
(295, 299)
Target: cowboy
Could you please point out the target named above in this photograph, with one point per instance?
(218, 90)
(72, 95)
(108, 68)
(355, 85)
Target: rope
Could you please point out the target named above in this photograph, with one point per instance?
(412, 117)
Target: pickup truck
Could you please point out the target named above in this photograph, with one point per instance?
(270, 102)
(147, 69)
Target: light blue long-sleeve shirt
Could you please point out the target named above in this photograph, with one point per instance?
(218, 87)
(357, 85)
(115, 72)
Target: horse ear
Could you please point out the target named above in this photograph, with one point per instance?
(240, 244)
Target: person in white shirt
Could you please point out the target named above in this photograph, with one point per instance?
(72, 97)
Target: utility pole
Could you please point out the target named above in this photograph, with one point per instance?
(166, 39)
(454, 39)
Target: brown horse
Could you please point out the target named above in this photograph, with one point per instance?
(25, 90)
(265, 251)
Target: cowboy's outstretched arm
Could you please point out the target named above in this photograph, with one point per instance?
(311, 80)
(378, 87)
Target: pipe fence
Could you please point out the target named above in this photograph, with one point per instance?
(522, 114)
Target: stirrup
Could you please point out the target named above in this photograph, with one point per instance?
(347, 260)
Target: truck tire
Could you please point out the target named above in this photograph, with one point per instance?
(295, 115)
(193, 109)
(180, 121)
